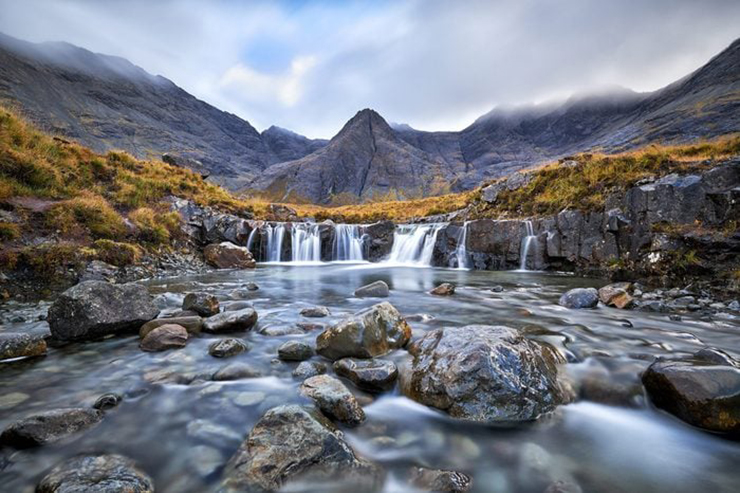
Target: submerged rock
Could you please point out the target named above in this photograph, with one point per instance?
(309, 369)
(295, 351)
(231, 321)
(107, 401)
(203, 304)
(438, 480)
(371, 332)
(98, 473)
(316, 312)
(372, 375)
(334, 399)
(167, 336)
(699, 392)
(94, 309)
(193, 324)
(444, 289)
(580, 298)
(291, 443)
(226, 255)
(226, 348)
(377, 289)
(49, 426)
(236, 371)
(485, 373)
(21, 345)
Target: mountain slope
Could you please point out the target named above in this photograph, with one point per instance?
(365, 161)
(106, 103)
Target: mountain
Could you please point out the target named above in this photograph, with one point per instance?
(365, 161)
(106, 102)
(286, 145)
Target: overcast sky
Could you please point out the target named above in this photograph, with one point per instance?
(436, 65)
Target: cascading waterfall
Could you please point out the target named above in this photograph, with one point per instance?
(274, 236)
(414, 244)
(461, 252)
(527, 242)
(347, 243)
(305, 242)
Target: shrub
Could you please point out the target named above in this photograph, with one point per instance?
(155, 228)
(117, 253)
(91, 212)
(9, 231)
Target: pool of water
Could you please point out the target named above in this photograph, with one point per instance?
(183, 434)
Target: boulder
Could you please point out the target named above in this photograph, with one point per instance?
(231, 321)
(580, 298)
(334, 399)
(316, 312)
(203, 304)
(49, 426)
(377, 289)
(226, 348)
(94, 309)
(290, 444)
(372, 375)
(371, 332)
(425, 479)
(168, 336)
(617, 295)
(309, 369)
(193, 324)
(295, 351)
(444, 289)
(486, 374)
(226, 255)
(701, 393)
(21, 345)
(236, 371)
(98, 473)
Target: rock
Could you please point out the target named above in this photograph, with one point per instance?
(236, 371)
(580, 298)
(49, 426)
(308, 327)
(334, 399)
(734, 305)
(107, 401)
(277, 331)
(94, 309)
(226, 255)
(617, 295)
(96, 473)
(21, 345)
(98, 270)
(295, 351)
(715, 356)
(251, 286)
(231, 321)
(371, 332)
(377, 289)
(497, 289)
(193, 325)
(309, 369)
(290, 443)
(203, 304)
(282, 213)
(226, 348)
(238, 305)
(700, 393)
(372, 375)
(486, 374)
(168, 336)
(444, 289)
(316, 312)
(437, 480)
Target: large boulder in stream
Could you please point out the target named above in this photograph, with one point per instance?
(226, 255)
(580, 298)
(485, 373)
(371, 332)
(49, 426)
(98, 473)
(291, 444)
(94, 309)
(702, 391)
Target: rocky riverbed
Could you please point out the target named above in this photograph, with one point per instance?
(281, 375)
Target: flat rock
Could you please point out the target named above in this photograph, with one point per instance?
(487, 374)
(226, 255)
(295, 351)
(94, 309)
(193, 324)
(21, 345)
(203, 304)
(239, 320)
(334, 399)
(372, 375)
(290, 444)
(580, 298)
(236, 371)
(280, 330)
(371, 332)
(226, 348)
(438, 480)
(164, 337)
(316, 312)
(49, 426)
(444, 289)
(96, 473)
(377, 289)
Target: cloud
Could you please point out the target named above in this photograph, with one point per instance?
(434, 64)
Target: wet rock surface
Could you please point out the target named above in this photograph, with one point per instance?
(373, 375)
(226, 348)
(99, 473)
(236, 321)
(20, 345)
(487, 374)
(236, 371)
(94, 309)
(617, 295)
(193, 324)
(107, 401)
(439, 480)
(334, 399)
(164, 337)
(49, 426)
(580, 298)
(226, 255)
(316, 312)
(295, 351)
(444, 289)
(377, 289)
(308, 369)
(203, 304)
(368, 333)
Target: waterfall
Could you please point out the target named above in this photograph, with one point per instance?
(250, 241)
(461, 252)
(414, 244)
(347, 243)
(274, 235)
(527, 242)
(305, 242)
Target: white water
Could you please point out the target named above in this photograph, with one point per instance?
(305, 242)
(461, 252)
(528, 241)
(413, 244)
(347, 243)
(274, 234)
